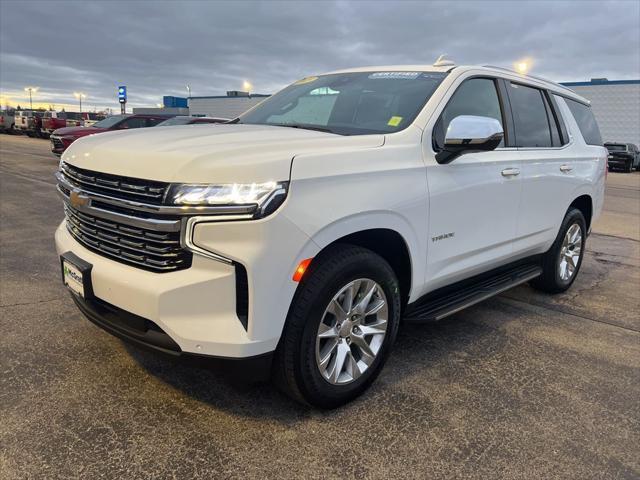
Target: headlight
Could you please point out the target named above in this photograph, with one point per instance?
(266, 197)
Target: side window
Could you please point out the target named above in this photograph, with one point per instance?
(136, 122)
(558, 135)
(476, 96)
(586, 122)
(152, 122)
(530, 116)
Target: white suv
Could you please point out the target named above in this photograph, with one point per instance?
(301, 234)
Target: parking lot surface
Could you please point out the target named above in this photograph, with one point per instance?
(525, 385)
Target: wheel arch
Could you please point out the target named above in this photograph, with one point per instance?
(391, 246)
(390, 235)
(584, 203)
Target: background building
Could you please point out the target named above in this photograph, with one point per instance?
(227, 106)
(616, 105)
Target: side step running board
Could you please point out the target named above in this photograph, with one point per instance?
(436, 306)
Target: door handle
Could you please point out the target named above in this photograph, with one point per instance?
(565, 168)
(510, 172)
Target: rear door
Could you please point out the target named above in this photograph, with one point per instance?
(547, 166)
(474, 200)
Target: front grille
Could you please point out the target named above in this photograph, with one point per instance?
(116, 186)
(57, 143)
(144, 248)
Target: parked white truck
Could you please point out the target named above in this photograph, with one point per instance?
(302, 233)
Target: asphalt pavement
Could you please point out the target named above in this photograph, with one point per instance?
(522, 386)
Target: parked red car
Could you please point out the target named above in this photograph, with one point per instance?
(63, 137)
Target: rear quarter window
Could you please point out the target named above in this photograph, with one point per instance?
(586, 122)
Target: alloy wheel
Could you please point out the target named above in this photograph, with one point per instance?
(352, 331)
(570, 252)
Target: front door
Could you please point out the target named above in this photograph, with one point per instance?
(474, 200)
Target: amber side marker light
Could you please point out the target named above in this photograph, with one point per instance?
(302, 267)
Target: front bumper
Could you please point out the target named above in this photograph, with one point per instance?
(619, 162)
(196, 307)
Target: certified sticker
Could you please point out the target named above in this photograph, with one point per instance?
(394, 75)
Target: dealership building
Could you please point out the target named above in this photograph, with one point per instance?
(616, 105)
(226, 106)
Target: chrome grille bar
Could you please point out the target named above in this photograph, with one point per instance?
(119, 186)
(121, 243)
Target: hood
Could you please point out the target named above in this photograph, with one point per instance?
(77, 131)
(218, 153)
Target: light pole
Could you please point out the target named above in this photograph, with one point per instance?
(80, 96)
(31, 91)
(188, 90)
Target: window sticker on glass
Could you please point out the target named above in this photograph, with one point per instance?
(306, 80)
(394, 121)
(394, 75)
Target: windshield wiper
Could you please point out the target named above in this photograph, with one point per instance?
(304, 126)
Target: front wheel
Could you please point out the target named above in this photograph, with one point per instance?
(561, 264)
(630, 166)
(341, 325)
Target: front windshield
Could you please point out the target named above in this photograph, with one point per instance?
(175, 121)
(109, 121)
(348, 103)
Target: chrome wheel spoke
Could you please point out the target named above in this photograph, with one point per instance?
(328, 353)
(336, 309)
(377, 328)
(374, 307)
(575, 231)
(362, 345)
(349, 295)
(325, 331)
(353, 367)
(363, 303)
(341, 355)
(563, 269)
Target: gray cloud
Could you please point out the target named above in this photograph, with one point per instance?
(156, 48)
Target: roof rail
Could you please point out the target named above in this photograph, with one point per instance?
(530, 76)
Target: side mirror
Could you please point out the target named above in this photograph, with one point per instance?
(470, 133)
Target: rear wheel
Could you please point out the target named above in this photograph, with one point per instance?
(341, 325)
(630, 166)
(561, 264)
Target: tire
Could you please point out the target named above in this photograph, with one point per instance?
(297, 366)
(630, 166)
(552, 279)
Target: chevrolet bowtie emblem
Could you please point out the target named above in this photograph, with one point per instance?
(78, 200)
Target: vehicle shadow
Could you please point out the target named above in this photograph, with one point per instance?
(419, 350)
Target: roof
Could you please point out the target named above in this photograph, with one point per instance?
(600, 81)
(395, 68)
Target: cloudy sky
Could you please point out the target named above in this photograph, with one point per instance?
(157, 47)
